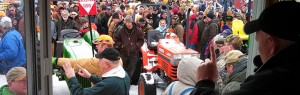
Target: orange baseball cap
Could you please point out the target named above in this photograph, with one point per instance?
(106, 39)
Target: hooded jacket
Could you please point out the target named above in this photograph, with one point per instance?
(237, 77)
(4, 90)
(186, 76)
(12, 51)
(156, 23)
(161, 28)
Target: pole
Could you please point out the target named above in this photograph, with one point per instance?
(187, 27)
(91, 32)
(248, 14)
(225, 12)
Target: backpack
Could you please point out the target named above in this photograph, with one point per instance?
(183, 92)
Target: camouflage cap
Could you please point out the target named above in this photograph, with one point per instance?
(233, 56)
(235, 40)
(106, 39)
(16, 73)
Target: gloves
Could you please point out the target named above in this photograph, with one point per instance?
(54, 61)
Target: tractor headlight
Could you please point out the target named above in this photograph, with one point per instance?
(177, 56)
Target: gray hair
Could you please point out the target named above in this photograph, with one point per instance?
(65, 12)
(6, 22)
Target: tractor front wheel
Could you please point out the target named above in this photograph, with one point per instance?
(144, 88)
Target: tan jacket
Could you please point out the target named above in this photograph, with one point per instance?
(111, 29)
(179, 31)
(90, 64)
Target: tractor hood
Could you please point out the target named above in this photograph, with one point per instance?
(77, 48)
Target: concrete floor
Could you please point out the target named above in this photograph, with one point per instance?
(61, 88)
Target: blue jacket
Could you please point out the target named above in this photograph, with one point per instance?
(12, 51)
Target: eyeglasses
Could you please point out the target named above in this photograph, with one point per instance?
(11, 10)
(219, 46)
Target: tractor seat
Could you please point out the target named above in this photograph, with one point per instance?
(153, 37)
(153, 46)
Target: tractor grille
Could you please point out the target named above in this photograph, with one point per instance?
(165, 65)
(174, 71)
(170, 69)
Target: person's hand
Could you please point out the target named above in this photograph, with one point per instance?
(83, 72)
(208, 70)
(69, 70)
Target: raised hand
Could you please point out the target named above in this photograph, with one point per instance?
(69, 70)
(208, 70)
(83, 72)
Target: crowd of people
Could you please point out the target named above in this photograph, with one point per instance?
(128, 31)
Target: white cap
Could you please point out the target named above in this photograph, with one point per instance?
(5, 22)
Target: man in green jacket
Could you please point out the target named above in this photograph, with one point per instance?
(114, 81)
(17, 83)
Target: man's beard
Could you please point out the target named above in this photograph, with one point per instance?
(65, 18)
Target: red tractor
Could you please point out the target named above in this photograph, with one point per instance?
(161, 55)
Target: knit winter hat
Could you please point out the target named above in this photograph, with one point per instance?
(128, 18)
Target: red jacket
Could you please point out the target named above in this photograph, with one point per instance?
(193, 32)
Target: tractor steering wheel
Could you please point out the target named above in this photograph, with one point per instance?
(72, 34)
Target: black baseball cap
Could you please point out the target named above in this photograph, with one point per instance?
(278, 20)
(110, 54)
(142, 21)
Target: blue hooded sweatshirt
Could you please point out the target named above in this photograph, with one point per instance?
(12, 51)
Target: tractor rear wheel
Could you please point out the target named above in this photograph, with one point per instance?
(144, 88)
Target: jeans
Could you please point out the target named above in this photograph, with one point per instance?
(129, 64)
(192, 46)
(203, 51)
